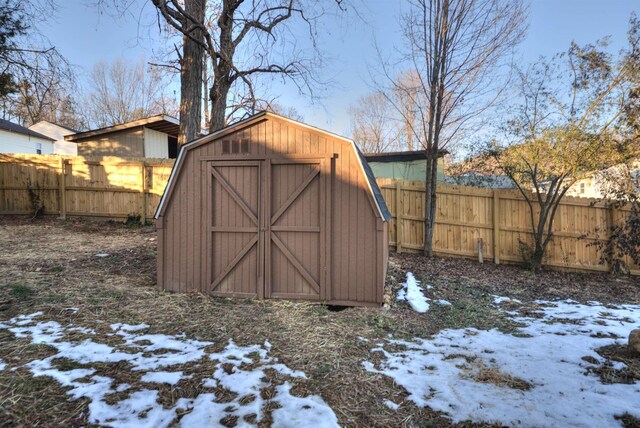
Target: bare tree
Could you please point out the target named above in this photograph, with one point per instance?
(35, 80)
(407, 99)
(121, 92)
(455, 48)
(43, 92)
(282, 110)
(372, 124)
(191, 70)
(243, 40)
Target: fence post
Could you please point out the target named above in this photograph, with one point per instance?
(610, 223)
(143, 195)
(62, 189)
(496, 226)
(398, 216)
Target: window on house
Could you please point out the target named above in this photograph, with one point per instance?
(173, 147)
(39, 148)
(581, 187)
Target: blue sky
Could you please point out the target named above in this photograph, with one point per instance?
(86, 36)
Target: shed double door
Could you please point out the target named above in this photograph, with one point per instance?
(269, 227)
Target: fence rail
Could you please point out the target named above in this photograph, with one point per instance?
(492, 224)
(469, 220)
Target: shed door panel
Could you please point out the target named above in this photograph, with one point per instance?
(235, 220)
(295, 229)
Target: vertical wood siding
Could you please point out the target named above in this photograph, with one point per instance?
(356, 248)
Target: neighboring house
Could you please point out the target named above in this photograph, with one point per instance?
(599, 184)
(151, 137)
(409, 165)
(15, 138)
(479, 179)
(57, 132)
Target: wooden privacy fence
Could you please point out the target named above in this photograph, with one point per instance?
(121, 188)
(82, 186)
(499, 220)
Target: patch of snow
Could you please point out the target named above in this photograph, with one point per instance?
(390, 404)
(439, 372)
(153, 352)
(295, 412)
(140, 409)
(209, 383)
(443, 302)
(246, 383)
(205, 411)
(74, 310)
(362, 339)
(2, 365)
(618, 365)
(128, 327)
(82, 330)
(500, 299)
(123, 387)
(412, 293)
(170, 378)
(153, 347)
(101, 255)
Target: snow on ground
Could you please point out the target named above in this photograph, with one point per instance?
(2, 365)
(499, 299)
(128, 327)
(412, 293)
(390, 404)
(153, 354)
(171, 378)
(548, 354)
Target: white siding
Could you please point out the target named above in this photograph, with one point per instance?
(51, 130)
(12, 142)
(156, 144)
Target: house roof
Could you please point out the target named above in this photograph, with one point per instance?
(405, 156)
(372, 184)
(19, 129)
(161, 123)
(56, 124)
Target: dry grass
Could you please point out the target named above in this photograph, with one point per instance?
(461, 274)
(49, 266)
(496, 377)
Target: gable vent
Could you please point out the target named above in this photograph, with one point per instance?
(235, 146)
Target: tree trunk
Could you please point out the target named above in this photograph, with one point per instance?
(191, 76)
(430, 202)
(205, 93)
(218, 96)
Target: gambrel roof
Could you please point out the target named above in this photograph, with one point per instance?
(381, 206)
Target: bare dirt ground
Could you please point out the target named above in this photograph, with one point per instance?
(47, 265)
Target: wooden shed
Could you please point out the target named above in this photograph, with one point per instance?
(273, 208)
